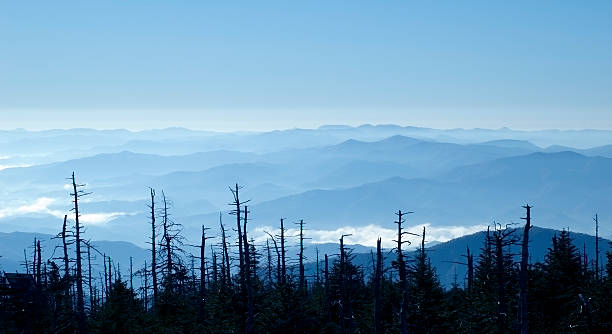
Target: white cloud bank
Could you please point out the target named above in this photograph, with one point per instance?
(43, 205)
(367, 235)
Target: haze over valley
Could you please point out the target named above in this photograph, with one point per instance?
(338, 179)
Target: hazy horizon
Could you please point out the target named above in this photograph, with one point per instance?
(186, 126)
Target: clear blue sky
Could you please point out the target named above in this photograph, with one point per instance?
(264, 64)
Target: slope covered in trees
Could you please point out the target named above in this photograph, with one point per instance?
(231, 284)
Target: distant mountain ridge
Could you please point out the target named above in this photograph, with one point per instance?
(444, 256)
(333, 176)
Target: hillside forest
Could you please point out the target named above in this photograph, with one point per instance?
(230, 284)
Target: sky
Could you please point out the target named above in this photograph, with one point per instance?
(233, 65)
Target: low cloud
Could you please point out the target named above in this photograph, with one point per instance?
(101, 218)
(40, 205)
(43, 205)
(367, 235)
(13, 166)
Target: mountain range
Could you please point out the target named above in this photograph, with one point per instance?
(333, 177)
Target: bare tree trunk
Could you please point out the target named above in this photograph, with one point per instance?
(146, 287)
(278, 261)
(501, 280)
(105, 277)
(237, 212)
(34, 253)
(596, 247)
(269, 261)
(91, 296)
(283, 253)
(65, 247)
(402, 275)
(168, 239)
(110, 275)
(215, 270)
(327, 296)
(39, 264)
(153, 251)
(301, 260)
(247, 276)
(318, 273)
(225, 264)
(470, 273)
(523, 279)
(346, 307)
(378, 329)
(203, 275)
(82, 320)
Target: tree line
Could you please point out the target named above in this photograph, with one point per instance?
(231, 285)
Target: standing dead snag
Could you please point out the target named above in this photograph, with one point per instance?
(596, 219)
(38, 264)
(110, 275)
(283, 252)
(502, 237)
(153, 243)
(278, 260)
(402, 272)
(131, 275)
(76, 194)
(247, 276)
(89, 283)
(523, 279)
(167, 242)
(302, 279)
(105, 277)
(346, 307)
(65, 248)
(241, 244)
(378, 329)
(171, 246)
(202, 312)
(269, 261)
(470, 270)
(225, 263)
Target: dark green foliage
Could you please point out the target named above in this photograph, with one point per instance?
(563, 297)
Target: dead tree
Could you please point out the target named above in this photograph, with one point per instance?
(65, 248)
(302, 278)
(225, 264)
(38, 263)
(241, 244)
(269, 261)
(326, 276)
(378, 329)
(105, 276)
(523, 276)
(131, 275)
(153, 244)
(203, 274)
(596, 219)
(283, 253)
(110, 275)
(502, 237)
(247, 275)
(34, 260)
(346, 307)
(76, 194)
(146, 287)
(89, 283)
(402, 272)
(167, 238)
(318, 276)
(278, 260)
